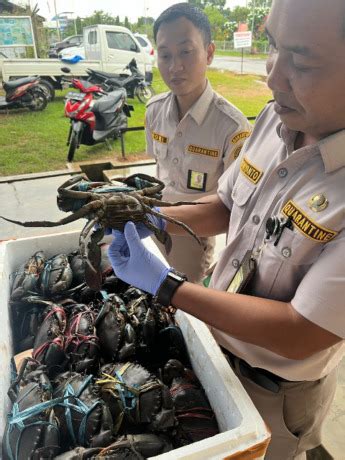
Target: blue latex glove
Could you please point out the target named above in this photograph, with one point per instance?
(133, 263)
(142, 230)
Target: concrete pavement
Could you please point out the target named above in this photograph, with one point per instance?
(233, 63)
(31, 199)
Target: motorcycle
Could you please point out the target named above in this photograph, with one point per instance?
(135, 84)
(95, 116)
(23, 93)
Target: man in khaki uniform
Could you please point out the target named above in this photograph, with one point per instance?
(282, 205)
(193, 133)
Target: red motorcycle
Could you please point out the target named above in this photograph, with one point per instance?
(96, 116)
(23, 92)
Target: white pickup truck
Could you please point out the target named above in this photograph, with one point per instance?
(108, 48)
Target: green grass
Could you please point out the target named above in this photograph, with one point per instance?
(34, 142)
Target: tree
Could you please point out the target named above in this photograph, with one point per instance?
(127, 23)
(258, 3)
(238, 14)
(217, 21)
(202, 4)
(99, 17)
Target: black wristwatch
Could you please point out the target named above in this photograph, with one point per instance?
(166, 290)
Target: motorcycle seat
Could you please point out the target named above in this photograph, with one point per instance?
(104, 74)
(109, 101)
(8, 85)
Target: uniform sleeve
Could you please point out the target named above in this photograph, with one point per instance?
(235, 141)
(149, 141)
(320, 295)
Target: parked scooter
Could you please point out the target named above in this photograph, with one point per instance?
(23, 92)
(135, 83)
(96, 116)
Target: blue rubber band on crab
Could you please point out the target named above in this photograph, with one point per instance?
(82, 408)
(125, 394)
(16, 419)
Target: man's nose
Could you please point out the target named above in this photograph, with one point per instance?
(176, 64)
(277, 74)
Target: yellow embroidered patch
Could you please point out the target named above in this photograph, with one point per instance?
(307, 226)
(237, 151)
(214, 153)
(251, 172)
(240, 136)
(159, 138)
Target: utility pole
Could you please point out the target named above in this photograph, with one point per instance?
(57, 21)
(253, 18)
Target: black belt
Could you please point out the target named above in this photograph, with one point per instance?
(261, 377)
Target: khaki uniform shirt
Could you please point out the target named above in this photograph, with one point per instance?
(307, 266)
(193, 153)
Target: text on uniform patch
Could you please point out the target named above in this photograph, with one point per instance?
(251, 172)
(307, 226)
(240, 136)
(214, 153)
(159, 138)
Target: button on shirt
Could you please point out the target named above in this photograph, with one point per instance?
(193, 153)
(307, 266)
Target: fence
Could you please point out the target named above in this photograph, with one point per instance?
(257, 47)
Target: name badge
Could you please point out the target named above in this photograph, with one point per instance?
(197, 180)
(243, 275)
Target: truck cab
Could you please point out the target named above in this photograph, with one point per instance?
(115, 46)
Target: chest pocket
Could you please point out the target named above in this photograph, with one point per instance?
(295, 249)
(160, 150)
(240, 195)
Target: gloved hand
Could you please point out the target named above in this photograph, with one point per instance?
(133, 263)
(144, 231)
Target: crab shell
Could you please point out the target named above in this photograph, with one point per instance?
(26, 278)
(81, 343)
(133, 393)
(110, 325)
(49, 341)
(37, 434)
(56, 276)
(84, 418)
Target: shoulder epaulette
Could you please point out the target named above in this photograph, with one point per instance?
(158, 97)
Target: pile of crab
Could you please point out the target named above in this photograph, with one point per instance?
(108, 374)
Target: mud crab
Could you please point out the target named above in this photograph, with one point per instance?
(109, 205)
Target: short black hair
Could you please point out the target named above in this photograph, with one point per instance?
(188, 11)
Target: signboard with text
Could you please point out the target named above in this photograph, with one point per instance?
(16, 31)
(242, 39)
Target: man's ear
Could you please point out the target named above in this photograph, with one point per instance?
(211, 48)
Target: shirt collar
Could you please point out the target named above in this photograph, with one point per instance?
(332, 151)
(198, 110)
(331, 148)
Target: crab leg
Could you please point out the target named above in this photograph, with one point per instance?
(173, 221)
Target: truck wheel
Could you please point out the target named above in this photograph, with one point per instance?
(48, 89)
(73, 145)
(39, 100)
(144, 93)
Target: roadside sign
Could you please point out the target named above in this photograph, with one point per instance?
(242, 39)
(16, 31)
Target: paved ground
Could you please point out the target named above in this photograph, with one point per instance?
(235, 64)
(36, 200)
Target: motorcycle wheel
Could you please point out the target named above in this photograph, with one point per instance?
(73, 145)
(144, 93)
(48, 89)
(39, 100)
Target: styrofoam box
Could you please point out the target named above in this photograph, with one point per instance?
(242, 428)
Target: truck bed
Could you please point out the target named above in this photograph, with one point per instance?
(13, 68)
